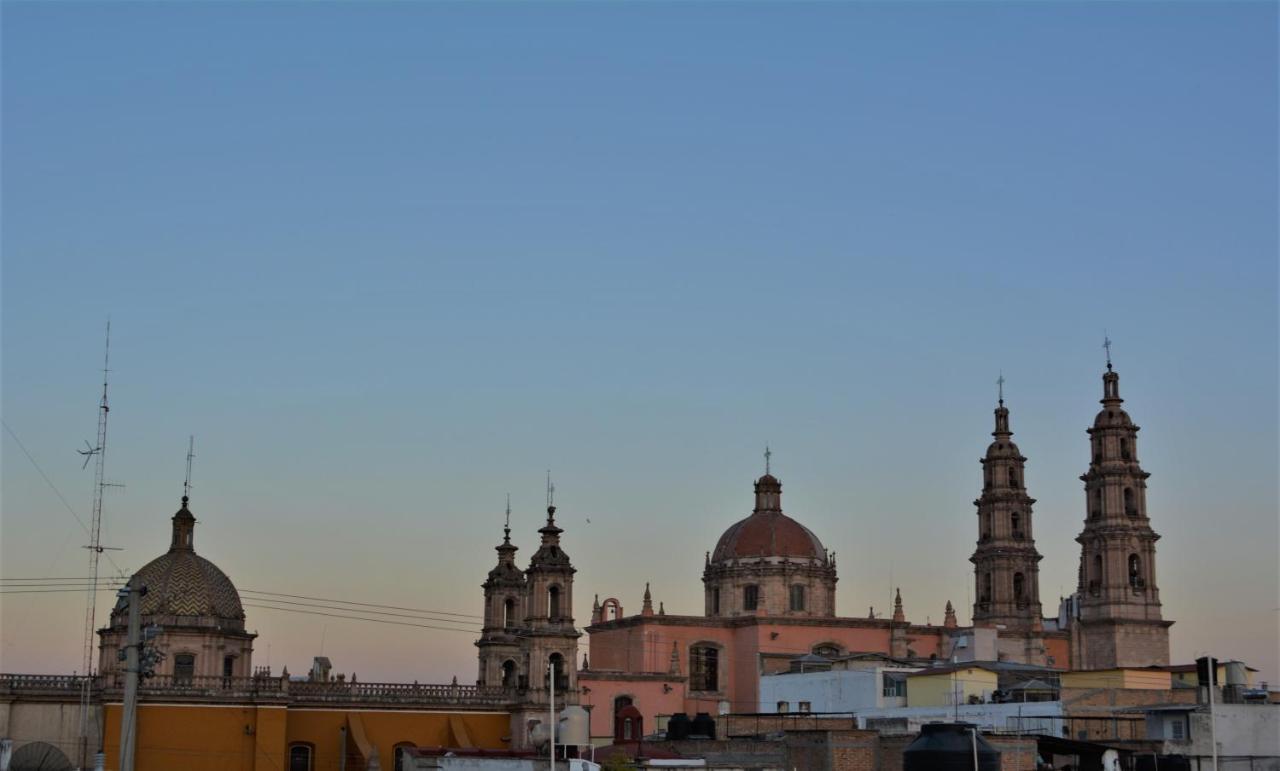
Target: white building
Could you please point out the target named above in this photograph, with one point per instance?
(837, 690)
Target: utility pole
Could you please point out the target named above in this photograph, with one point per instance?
(551, 667)
(132, 667)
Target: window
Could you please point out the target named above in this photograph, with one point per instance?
(553, 603)
(509, 613)
(1019, 586)
(894, 685)
(1130, 509)
(228, 667)
(805, 706)
(783, 707)
(750, 597)
(627, 729)
(1135, 572)
(1015, 522)
(184, 668)
(300, 757)
(508, 673)
(1124, 449)
(826, 651)
(1177, 731)
(397, 754)
(1097, 503)
(797, 597)
(715, 602)
(1013, 478)
(986, 588)
(555, 668)
(704, 668)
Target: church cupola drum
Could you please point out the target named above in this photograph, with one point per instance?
(1006, 563)
(1118, 621)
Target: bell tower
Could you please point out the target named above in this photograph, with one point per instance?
(504, 594)
(550, 640)
(1117, 621)
(1006, 563)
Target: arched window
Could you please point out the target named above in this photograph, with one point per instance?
(1124, 449)
(184, 668)
(1019, 586)
(556, 669)
(397, 754)
(797, 597)
(1013, 478)
(508, 673)
(553, 603)
(704, 668)
(827, 650)
(986, 588)
(1135, 571)
(509, 613)
(1097, 503)
(1130, 509)
(300, 757)
(750, 597)
(1015, 523)
(1097, 568)
(715, 601)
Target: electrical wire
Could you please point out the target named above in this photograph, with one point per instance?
(360, 618)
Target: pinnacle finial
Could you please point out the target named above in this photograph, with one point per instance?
(1000, 387)
(1106, 343)
(768, 456)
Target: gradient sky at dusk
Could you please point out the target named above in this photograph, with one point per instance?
(389, 262)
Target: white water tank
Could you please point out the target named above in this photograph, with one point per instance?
(575, 727)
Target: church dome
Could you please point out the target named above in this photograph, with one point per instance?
(181, 583)
(768, 532)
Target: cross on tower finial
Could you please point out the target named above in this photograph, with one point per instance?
(551, 491)
(507, 524)
(1000, 386)
(768, 455)
(1106, 343)
(186, 484)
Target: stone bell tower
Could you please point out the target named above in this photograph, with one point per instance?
(504, 597)
(1117, 621)
(1006, 563)
(548, 638)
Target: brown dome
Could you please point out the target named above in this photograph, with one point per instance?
(769, 534)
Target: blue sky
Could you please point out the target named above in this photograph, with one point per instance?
(391, 261)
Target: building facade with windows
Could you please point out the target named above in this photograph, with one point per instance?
(769, 590)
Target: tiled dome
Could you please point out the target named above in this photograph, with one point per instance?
(181, 583)
(768, 532)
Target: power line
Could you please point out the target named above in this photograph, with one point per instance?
(360, 618)
(376, 612)
(363, 604)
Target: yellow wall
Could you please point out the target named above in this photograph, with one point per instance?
(1189, 678)
(1139, 679)
(936, 690)
(194, 737)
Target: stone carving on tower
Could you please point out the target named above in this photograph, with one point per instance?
(769, 564)
(504, 613)
(1006, 564)
(1117, 620)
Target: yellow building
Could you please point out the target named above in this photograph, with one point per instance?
(945, 686)
(1145, 678)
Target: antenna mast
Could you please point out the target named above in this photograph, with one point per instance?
(99, 452)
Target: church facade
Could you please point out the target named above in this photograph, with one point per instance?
(769, 591)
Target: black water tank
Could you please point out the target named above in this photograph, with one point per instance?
(948, 747)
(703, 727)
(678, 727)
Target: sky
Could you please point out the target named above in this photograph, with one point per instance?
(391, 262)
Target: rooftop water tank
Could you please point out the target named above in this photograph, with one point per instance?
(678, 727)
(702, 727)
(574, 727)
(949, 747)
